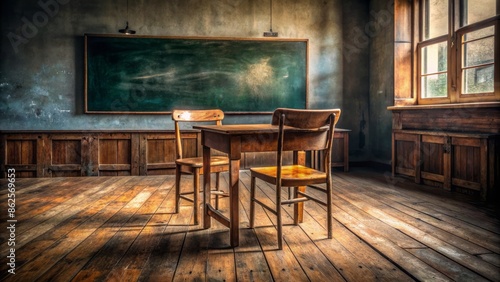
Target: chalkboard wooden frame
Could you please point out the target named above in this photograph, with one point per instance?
(154, 74)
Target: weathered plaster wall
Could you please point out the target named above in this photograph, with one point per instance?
(368, 77)
(380, 29)
(41, 71)
(41, 66)
(356, 79)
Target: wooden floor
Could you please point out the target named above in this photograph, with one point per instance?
(123, 229)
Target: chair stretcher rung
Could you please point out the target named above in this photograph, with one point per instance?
(265, 206)
(294, 201)
(309, 197)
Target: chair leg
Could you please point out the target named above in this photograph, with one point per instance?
(252, 202)
(196, 201)
(279, 225)
(217, 186)
(296, 206)
(329, 209)
(177, 187)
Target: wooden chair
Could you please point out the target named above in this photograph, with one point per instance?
(321, 121)
(194, 165)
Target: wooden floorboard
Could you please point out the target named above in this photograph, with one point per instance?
(124, 229)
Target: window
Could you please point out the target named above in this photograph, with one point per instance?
(456, 51)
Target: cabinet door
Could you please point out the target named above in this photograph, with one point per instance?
(435, 159)
(469, 168)
(406, 154)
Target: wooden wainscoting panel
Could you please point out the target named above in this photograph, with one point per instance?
(115, 151)
(191, 145)
(67, 157)
(66, 152)
(158, 152)
(21, 154)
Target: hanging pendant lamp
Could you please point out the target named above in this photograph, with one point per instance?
(126, 30)
(270, 33)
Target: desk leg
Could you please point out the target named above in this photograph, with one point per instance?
(234, 221)
(206, 187)
(346, 151)
(298, 208)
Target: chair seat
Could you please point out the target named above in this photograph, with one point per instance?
(198, 161)
(292, 175)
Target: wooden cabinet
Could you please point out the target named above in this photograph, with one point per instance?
(450, 160)
(454, 146)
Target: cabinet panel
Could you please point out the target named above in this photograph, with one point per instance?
(484, 120)
(406, 158)
(432, 161)
(469, 163)
(435, 159)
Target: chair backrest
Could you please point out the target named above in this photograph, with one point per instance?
(305, 118)
(314, 121)
(212, 115)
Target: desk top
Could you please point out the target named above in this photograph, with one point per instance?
(239, 128)
(236, 129)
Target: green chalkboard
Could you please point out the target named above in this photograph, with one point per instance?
(146, 74)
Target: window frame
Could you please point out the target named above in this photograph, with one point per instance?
(420, 47)
(478, 97)
(454, 55)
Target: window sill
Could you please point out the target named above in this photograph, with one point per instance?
(446, 106)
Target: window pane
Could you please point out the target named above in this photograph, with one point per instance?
(478, 58)
(434, 86)
(478, 34)
(435, 18)
(477, 10)
(478, 52)
(478, 80)
(434, 58)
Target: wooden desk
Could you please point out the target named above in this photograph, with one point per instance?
(340, 151)
(234, 140)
